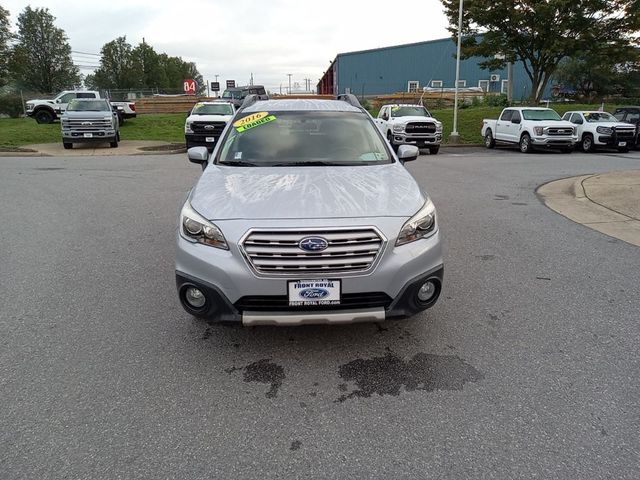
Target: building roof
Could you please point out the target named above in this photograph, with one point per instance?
(438, 40)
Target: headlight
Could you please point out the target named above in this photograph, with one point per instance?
(438, 127)
(187, 128)
(421, 225)
(398, 128)
(604, 130)
(538, 130)
(29, 106)
(197, 229)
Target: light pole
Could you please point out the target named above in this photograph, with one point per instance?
(455, 137)
(289, 74)
(216, 82)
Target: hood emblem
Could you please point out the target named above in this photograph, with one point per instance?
(313, 244)
(209, 127)
(87, 123)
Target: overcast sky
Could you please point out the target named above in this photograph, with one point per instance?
(233, 39)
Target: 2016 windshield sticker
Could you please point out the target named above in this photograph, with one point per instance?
(253, 120)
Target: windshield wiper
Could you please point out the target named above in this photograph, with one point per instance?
(239, 163)
(314, 163)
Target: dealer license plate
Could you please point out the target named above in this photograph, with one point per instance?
(314, 292)
(622, 144)
(210, 139)
(88, 135)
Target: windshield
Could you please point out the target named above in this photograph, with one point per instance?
(231, 94)
(595, 117)
(212, 109)
(89, 106)
(541, 114)
(409, 112)
(303, 138)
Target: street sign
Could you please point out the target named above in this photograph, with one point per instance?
(215, 86)
(231, 84)
(189, 86)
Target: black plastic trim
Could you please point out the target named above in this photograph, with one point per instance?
(218, 307)
(407, 304)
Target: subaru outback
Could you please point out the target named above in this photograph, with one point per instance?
(304, 214)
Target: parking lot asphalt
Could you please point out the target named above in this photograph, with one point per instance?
(526, 368)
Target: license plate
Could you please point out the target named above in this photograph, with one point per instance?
(622, 144)
(210, 139)
(314, 292)
(88, 135)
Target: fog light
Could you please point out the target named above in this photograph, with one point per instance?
(427, 290)
(194, 297)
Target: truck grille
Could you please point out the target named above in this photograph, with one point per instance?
(279, 252)
(420, 127)
(559, 131)
(86, 125)
(209, 128)
(624, 132)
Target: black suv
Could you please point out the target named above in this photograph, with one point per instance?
(630, 115)
(238, 94)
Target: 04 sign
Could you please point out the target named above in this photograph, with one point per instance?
(190, 86)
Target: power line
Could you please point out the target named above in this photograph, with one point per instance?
(85, 53)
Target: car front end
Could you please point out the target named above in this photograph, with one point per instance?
(88, 127)
(419, 131)
(264, 241)
(554, 135)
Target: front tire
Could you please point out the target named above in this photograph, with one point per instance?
(390, 139)
(44, 116)
(67, 146)
(525, 143)
(434, 150)
(489, 141)
(587, 143)
(114, 144)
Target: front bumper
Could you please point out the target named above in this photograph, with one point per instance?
(235, 293)
(200, 140)
(615, 141)
(69, 136)
(554, 142)
(420, 141)
(219, 308)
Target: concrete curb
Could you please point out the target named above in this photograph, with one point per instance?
(126, 147)
(571, 198)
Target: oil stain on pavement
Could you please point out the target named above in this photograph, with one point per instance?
(263, 371)
(388, 374)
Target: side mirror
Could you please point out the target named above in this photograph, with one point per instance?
(58, 100)
(385, 117)
(407, 153)
(515, 120)
(198, 155)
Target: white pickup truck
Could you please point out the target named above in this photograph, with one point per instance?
(410, 125)
(601, 129)
(205, 123)
(47, 110)
(530, 128)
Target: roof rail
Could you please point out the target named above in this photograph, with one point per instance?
(350, 98)
(249, 100)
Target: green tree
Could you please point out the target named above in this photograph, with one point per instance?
(41, 59)
(540, 33)
(5, 36)
(148, 67)
(116, 66)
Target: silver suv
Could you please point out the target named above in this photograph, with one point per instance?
(304, 214)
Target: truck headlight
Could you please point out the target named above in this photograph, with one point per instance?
(538, 130)
(398, 128)
(197, 229)
(604, 130)
(438, 127)
(421, 225)
(187, 128)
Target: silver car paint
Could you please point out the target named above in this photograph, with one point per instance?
(306, 192)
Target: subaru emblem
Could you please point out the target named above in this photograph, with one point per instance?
(313, 244)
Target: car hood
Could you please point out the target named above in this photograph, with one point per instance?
(551, 123)
(41, 100)
(85, 114)
(209, 118)
(613, 124)
(413, 119)
(225, 193)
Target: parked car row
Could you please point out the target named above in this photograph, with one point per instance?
(533, 128)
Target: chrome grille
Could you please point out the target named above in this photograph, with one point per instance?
(86, 125)
(623, 132)
(278, 252)
(210, 128)
(560, 131)
(420, 127)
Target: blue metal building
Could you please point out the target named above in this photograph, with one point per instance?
(410, 67)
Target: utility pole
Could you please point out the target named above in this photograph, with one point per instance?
(510, 82)
(289, 74)
(455, 137)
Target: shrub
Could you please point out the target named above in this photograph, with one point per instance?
(11, 104)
